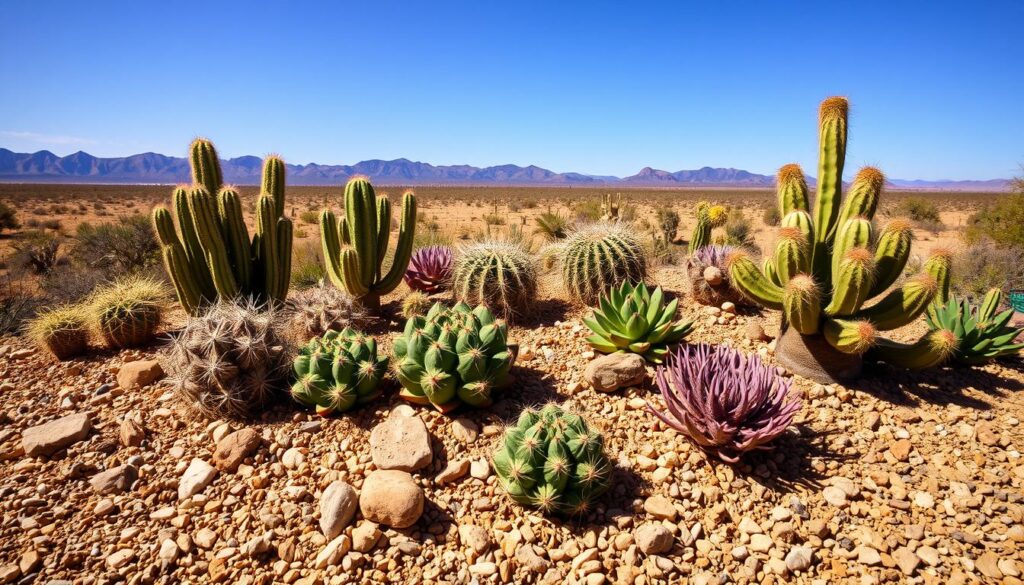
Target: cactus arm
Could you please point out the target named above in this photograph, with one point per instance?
(201, 206)
(853, 233)
(848, 336)
(284, 258)
(851, 283)
(891, 254)
(768, 268)
(229, 210)
(178, 270)
(383, 232)
(832, 118)
(791, 190)
(931, 350)
(351, 280)
(862, 200)
(801, 304)
(190, 240)
(273, 182)
(750, 281)
(205, 166)
(266, 227)
(903, 305)
(362, 225)
(403, 247)
(329, 243)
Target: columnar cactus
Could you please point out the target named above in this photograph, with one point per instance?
(828, 265)
(599, 257)
(498, 275)
(708, 217)
(127, 312)
(451, 356)
(430, 269)
(982, 335)
(338, 371)
(610, 207)
(354, 248)
(208, 254)
(636, 320)
(551, 460)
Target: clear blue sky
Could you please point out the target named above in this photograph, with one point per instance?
(937, 88)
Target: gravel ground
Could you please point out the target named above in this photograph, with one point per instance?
(904, 477)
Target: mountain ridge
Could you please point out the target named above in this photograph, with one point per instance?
(151, 167)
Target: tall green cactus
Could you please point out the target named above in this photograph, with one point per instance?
(207, 251)
(828, 264)
(708, 217)
(354, 248)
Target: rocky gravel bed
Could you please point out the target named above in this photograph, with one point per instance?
(902, 477)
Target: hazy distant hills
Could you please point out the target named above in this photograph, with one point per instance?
(149, 167)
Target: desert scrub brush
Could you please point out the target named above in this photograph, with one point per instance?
(498, 275)
(598, 257)
(230, 361)
(415, 304)
(322, 308)
(128, 311)
(64, 331)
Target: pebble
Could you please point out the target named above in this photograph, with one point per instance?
(197, 476)
(337, 507)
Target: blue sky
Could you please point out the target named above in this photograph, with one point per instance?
(595, 87)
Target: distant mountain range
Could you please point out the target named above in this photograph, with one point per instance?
(149, 167)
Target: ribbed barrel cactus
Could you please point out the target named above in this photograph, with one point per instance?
(64, 331)
(430, 269)
(982, 334)
(127, 312)
(553, 461)
(501, 276)
(355, 248)
(632, 318)
(206, 248)
(708, 217)
(338, 371)
(828, 266)
(452, 356)
(724, 401)
(598, 257)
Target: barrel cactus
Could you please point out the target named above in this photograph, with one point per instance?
(230, 361)
(430, 270)
(982, 334)
(355, 248)
(415, 303)
(828, 264)
(127, 312)
(633, 319)
(708, 217)
(64, 331)
(598, 257)
(206, 248)
(452, 356)
(338, 371)
(551, 460)
(498, 275)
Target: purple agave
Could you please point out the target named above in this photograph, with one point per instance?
(430, 269)
(724, 401)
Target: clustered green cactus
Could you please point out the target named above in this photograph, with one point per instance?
(338, 371)
(127, 312)
(708, 217)
(553, 461)
(453, 355)
(355, 248)
(596, 258)
(208, 255)
(982, 335)
(498, 275)
(633, 319)
(64, 331)
(828, 263)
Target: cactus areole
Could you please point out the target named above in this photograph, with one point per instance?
(831, 275)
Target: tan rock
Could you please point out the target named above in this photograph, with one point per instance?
(401, 443)
(391, 497)
(52, 436)
(139, 374)
(234, 448)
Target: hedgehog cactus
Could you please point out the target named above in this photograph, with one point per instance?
(499, 275)
(451, 356)
(430, 269)
(322, 308)
(708, 217)
(415, 304)
(206, 248)
(982, 335)
(551, 460)
(725, 402)
(828, 267)
(636, 320)
(338, 371)
(64, 331)
(354, 248)
(709, 277)
(599, 257)
(127, 312)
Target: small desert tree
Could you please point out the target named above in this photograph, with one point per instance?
(8, 218)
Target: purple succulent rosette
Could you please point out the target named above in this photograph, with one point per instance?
(430, 269)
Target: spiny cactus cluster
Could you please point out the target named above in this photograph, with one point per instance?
(551, 460)
(319, 309)
(338, 371)
(498, 275)
(451, 356)
(415, 304)
(208, 254)
(355, 248)
(430, 269)
(724, 401)
(230, 361)
(709, 276)
(127, 312)
(982, 335)
(598, 257)
(708, 217)
(632, 318)
(828, 263)
(64, 331)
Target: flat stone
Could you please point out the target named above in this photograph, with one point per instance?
(401, 443)
(30, 562)
(900, 449)
(168, 552)
(475, 537)
(120, 558)
(333, 552)
(114, 480)
(195, 479)
(906, 559)
(131, 433)
(465, 430)
(834, 496)
(660, 507)
(391, 497)
(928, 554)
(234, 448)
(139, 374)
(652, 538)
(988, 564)
(454, 471)
(527, 557)
(337, 507)
(608, 373)
(761, 543)
(868, 556)
(50, 437)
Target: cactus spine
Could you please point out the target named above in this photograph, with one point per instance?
(354, 248)
(828, 265)
(206, 247)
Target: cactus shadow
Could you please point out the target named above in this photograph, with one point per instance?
(789, 466)
(535, 388)
(544, 312)
(938, 386)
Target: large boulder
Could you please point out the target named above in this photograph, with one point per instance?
(391, 497)
(608, 373)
